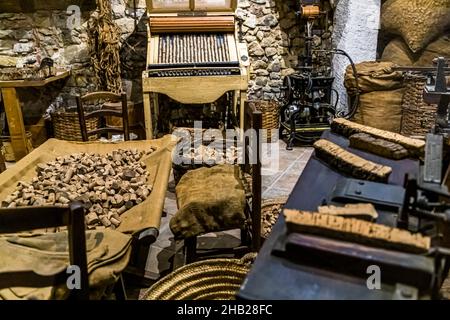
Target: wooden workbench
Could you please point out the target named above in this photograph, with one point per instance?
(14, 111)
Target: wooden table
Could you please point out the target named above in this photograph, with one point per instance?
(275, 278)
(14, 111)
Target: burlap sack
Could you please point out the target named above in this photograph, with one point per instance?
(209, 200)
(398, 52)
(381, 109)
(108, 253)
(418, 21)
(373, 76)
(438, 48)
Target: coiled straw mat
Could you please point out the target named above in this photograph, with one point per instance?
(214, 279)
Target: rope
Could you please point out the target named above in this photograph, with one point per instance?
(104, 44)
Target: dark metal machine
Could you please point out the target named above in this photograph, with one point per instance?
(308, 107)
(319, 267)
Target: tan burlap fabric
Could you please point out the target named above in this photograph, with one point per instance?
(381, 92)
(418, 21)
(209, 199)
(399, 53)
(381, 110)
(373, 76)
(108, 254)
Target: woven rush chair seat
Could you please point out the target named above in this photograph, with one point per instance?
(214, 279)
(270, 211)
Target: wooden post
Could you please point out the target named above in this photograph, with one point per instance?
(15, 122)
(2, 159)
(148, 116)
(243, 98)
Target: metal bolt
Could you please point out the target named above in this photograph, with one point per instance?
(358, 192)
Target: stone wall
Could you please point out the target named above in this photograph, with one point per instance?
(25, 36)
(275, 39)
(270, 28)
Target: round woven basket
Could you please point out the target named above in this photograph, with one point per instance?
(270, 211)
(418, 117)
(214, 279)
(66, 126)
(270, 117)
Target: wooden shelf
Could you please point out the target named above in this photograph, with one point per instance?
(33, 83)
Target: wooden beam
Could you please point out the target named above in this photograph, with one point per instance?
(14, 116)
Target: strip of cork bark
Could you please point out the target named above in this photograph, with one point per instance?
(350, 163)
(355, 230)
(347, 128)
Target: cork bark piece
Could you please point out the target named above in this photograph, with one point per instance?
(350, 163)
(381, 147)
(348, 128)
(355, 230)
(362, 211)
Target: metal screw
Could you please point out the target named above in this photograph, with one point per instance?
(358, 192)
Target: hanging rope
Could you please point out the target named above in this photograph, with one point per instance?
(104, 44)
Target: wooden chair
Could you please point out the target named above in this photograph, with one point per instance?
(14, 220)
(110, 97)
(250, 235)
(2, 159)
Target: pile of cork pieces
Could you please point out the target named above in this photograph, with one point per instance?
(108, 185)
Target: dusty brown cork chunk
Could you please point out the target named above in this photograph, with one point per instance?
(381, 147)
(107, 185)
(355, 230)
(348, 128)
(364, 211)
(350, 163)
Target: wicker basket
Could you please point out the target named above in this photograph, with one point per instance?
(270, 118)
(7, 149)
(270, 210)
(66, 126)
(418, 117)
(214, 279)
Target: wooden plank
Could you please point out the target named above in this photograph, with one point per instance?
(195, 90)
(15, 122)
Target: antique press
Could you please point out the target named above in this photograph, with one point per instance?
(194, 56)
(307, 93)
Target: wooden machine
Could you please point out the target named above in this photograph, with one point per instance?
(193, 55)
